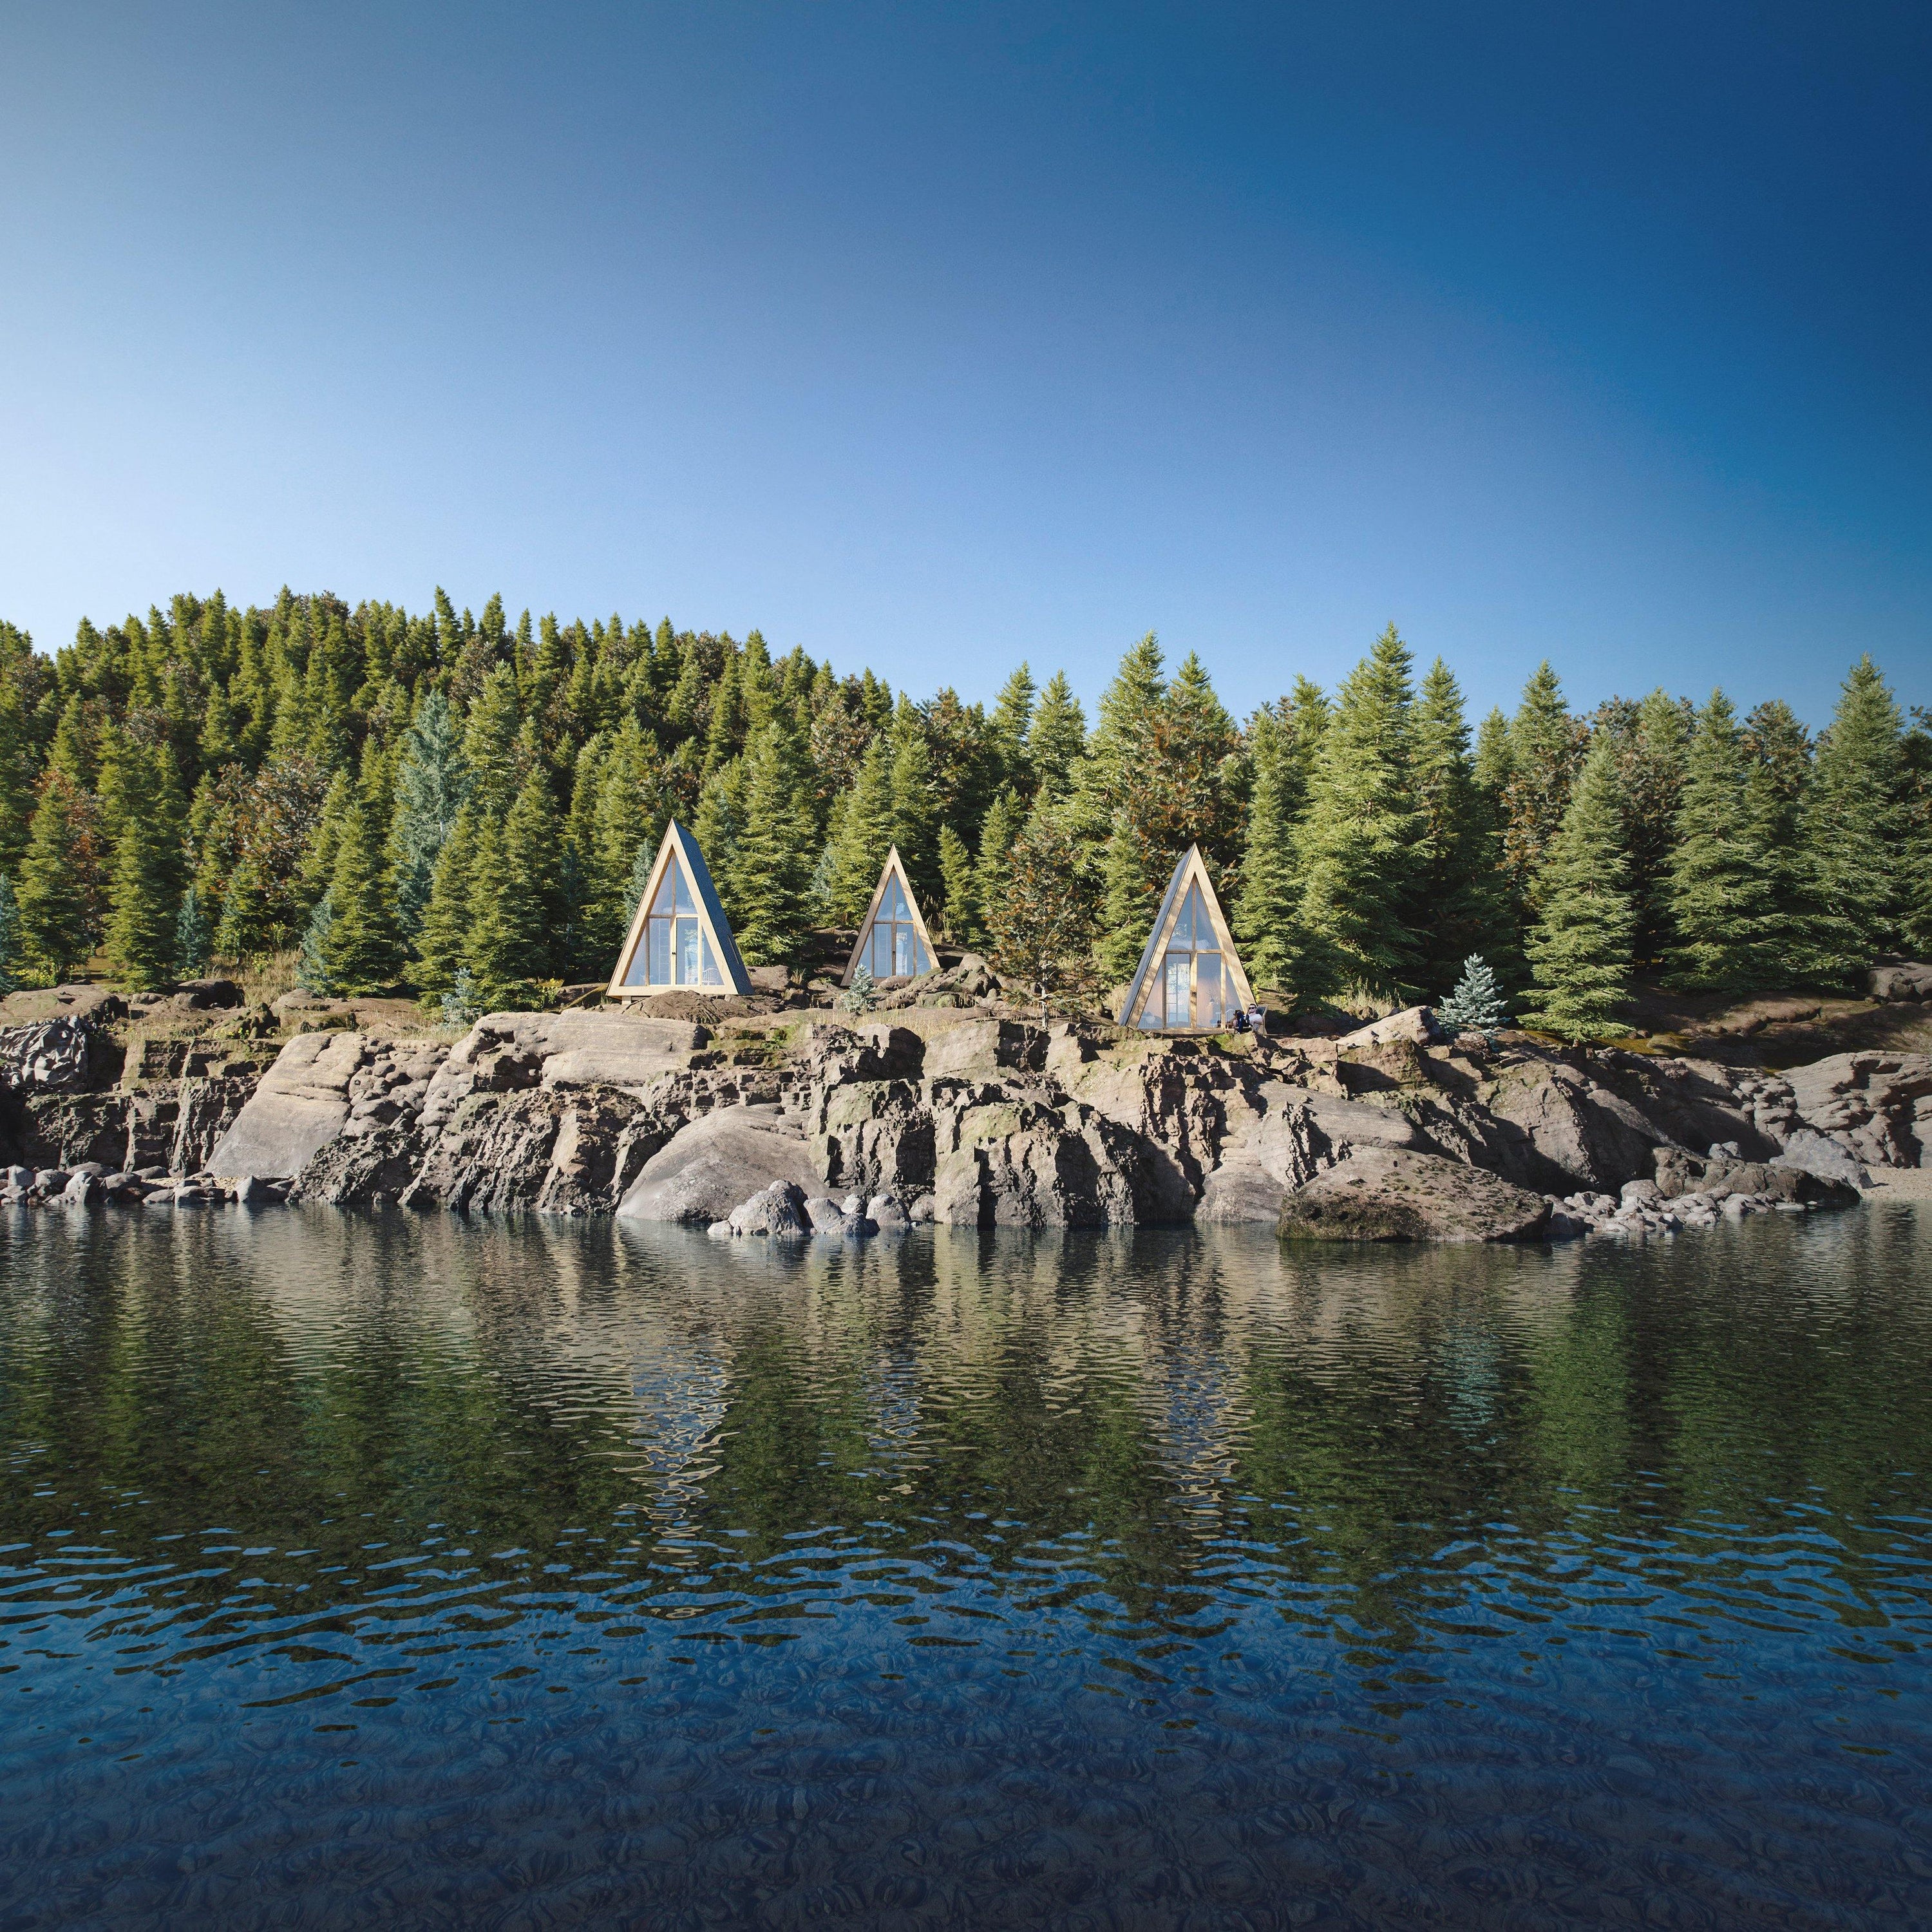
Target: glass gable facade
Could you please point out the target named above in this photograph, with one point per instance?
(673, 950)
(1189, 986)
(892, 948)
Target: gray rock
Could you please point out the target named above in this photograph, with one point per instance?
(1416, 1025)
(777, 1210)
(1908, 980)
(1394, 1194)
(19, 1178)
(251, 1191)
(885, 1212)
(83, 1190)
(707, 1168)
(822, 1211)
(299, 1108)
(1809, 1153)
(50, 1179)
(66, 1054)
(921, 1213)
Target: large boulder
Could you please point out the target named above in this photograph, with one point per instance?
(1394, 1194)
(1416, 1025)
(300, 1105)
(1809, 1153)
(1023, 1164)
(1876, 1105)
(720, 1159)
(1908, 980)
(1280, 1136)
(65, 1054)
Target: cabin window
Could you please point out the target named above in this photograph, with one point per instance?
(892, 948)
(676, 951)
(1191, 990)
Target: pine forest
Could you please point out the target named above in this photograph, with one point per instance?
(465, 809)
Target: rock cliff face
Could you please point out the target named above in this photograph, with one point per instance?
(975, 1120)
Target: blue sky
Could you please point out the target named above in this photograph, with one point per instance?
(934, 337)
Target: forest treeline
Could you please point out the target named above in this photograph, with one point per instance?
(465, 808)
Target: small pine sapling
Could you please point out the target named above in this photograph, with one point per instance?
(861, 996)
(1476, 1006)
(313, 971)
(461, 1007)
(194, 938)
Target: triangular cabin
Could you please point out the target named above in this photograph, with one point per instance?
(893, 943)
(680, 936)
(1190, 979)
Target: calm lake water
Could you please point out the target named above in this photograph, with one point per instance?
(393, 1571)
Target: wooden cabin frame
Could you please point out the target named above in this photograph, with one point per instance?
(893, 868)
(714, 929)
(1209, 1010)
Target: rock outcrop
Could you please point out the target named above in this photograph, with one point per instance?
(969, 1119)
(1394, 1194)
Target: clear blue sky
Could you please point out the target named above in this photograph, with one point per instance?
(934, 337)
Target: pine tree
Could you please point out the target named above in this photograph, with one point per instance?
(1266, 915)
(1057, 741)
(1546, 746)
(494, 755)
(1654, 773)
(442, 939)
(993, 865)
(1128, 709)
(1458, 907)
(312, 968)
(720, 821)
(960, 918)
(1363, 827)
(431, 784)
(915, 812)
(1720, 901)
(56, 909)
(514, 900)
(1042, 930)
(9, 937)
(1476, 1005)
(774, 856)
(1579, 951)
(361, 952)
(1854, 829)
(1916, 911)
(145, 894)
(1008, 729)
(194, 939)
(863, 836)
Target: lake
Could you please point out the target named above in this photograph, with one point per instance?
(398, 1571)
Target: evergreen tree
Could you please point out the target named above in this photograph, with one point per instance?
(1476, 1005)
(1579, 951)
(1653, 776)
(915, 816)
(720, 819)
(9, 937)
(514, 900)
(312, 969)
(1359, 838)
(494, 755)
(442, 939)
(863, 836)
(1916, 910)
(360, 951)
(1266, 914)
(775, 854)
(57, 897)
(1129, 707)
(1854, 829)
(194, 938)
(1721, 905)
(958, 875)
(1042, 930)
(993, 864)
(1008, 729)
(1458, 907)
(1057, 741)
(144, 895)
(431, 784)
(1546, 746)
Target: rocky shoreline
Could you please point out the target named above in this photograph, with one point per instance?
(803, 1124)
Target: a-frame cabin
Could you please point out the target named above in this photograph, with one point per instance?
(1190, 979)
(680, 936)
(893, 943)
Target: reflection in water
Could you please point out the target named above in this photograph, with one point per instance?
(364, 1570)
